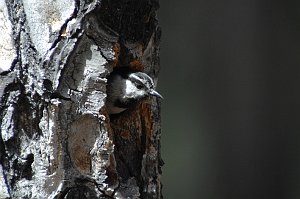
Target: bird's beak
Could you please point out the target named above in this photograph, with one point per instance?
(155, 93)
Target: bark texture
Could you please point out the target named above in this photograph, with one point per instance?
(57, 140)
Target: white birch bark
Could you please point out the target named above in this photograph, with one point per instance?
(57, 140)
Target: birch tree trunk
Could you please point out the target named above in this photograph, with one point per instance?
(57, 141)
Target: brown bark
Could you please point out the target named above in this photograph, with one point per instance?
(57, 140)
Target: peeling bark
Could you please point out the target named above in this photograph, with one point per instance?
(57, 141)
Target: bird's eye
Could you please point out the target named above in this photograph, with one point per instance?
(139, 86)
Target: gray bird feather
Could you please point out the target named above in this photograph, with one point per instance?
(126, 88)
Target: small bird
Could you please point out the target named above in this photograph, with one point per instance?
(125, 88)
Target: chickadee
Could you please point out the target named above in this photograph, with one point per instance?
(125, 88)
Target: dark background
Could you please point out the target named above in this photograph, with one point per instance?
(230, 76)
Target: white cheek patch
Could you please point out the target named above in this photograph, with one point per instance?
(131, 91)
(130, 87)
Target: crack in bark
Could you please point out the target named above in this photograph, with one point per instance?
(65, 24)
(98, 47)
(46, 80)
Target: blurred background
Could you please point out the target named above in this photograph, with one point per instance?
(230, 76)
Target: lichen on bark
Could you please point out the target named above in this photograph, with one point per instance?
(57, 141)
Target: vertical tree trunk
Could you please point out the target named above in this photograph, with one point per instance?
(57, 140)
